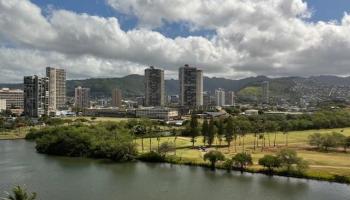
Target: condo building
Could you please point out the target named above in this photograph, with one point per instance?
(116, 98)
(230, 98)
(265, 92)
(36, 96)
(220, 97)
(82, 97)
(191, 87)
(154, 87)
(2, 105)
(57, 88)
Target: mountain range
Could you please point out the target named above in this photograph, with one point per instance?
(133, 85)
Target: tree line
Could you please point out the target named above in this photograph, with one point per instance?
(286, 160)
(237, 127)
(329, 140)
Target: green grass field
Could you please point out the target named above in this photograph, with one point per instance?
(19, 133)
(322, 164)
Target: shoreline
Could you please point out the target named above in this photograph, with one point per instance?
(261, 172)
(190, 163)
(12, 138)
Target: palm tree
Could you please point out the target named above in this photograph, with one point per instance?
(220, 132)
(140, 131)
(285, 127)
(20, 194)
(229, 132)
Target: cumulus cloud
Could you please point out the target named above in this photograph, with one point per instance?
(252, 37)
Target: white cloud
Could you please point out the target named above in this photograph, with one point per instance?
(253, 37)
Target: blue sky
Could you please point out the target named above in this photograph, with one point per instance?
(324, 10)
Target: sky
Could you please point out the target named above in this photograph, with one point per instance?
(226, 38)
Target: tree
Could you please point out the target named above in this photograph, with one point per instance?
(242, 160)
(140, 131)
(220, 132)
(270, 162)
(315, 140)
(211, 133)
(244, 126)
(166, 147)
(289, 159)
(327, 141)
(213, 156)
(112, 127)
(347, 143)
(20, 193)
(205, 129)
(229, 132)
(193, 129)
(285, 128)
(272, 126)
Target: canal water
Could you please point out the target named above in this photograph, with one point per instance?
(60, 178)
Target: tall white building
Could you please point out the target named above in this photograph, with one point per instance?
(220, 97)
(191, 86)
(2, 104)
(57, 88)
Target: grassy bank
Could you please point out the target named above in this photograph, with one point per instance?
(322, 165)
(19, 133)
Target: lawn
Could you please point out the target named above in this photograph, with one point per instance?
(18, 133)
(322, 164)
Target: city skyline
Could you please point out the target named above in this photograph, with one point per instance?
(241, 39)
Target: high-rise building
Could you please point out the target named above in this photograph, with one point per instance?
(265, 92)
(116, 98)
(154, 87)
(230, 98)
(57, 88)
(14, 98)
(220, 97)
(36, 96)
(191, 86)
(82, 97)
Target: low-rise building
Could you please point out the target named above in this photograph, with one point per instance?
(14, 98)
(109, 112)
(251, 112)
(157, 113)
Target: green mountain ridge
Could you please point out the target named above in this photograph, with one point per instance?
(133, 85)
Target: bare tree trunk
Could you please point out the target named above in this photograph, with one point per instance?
(254, 141)
(150, 144)
(243, 143)
(235, 144)
(142, 143)
(274, 141)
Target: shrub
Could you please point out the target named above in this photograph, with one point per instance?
(152, 157)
